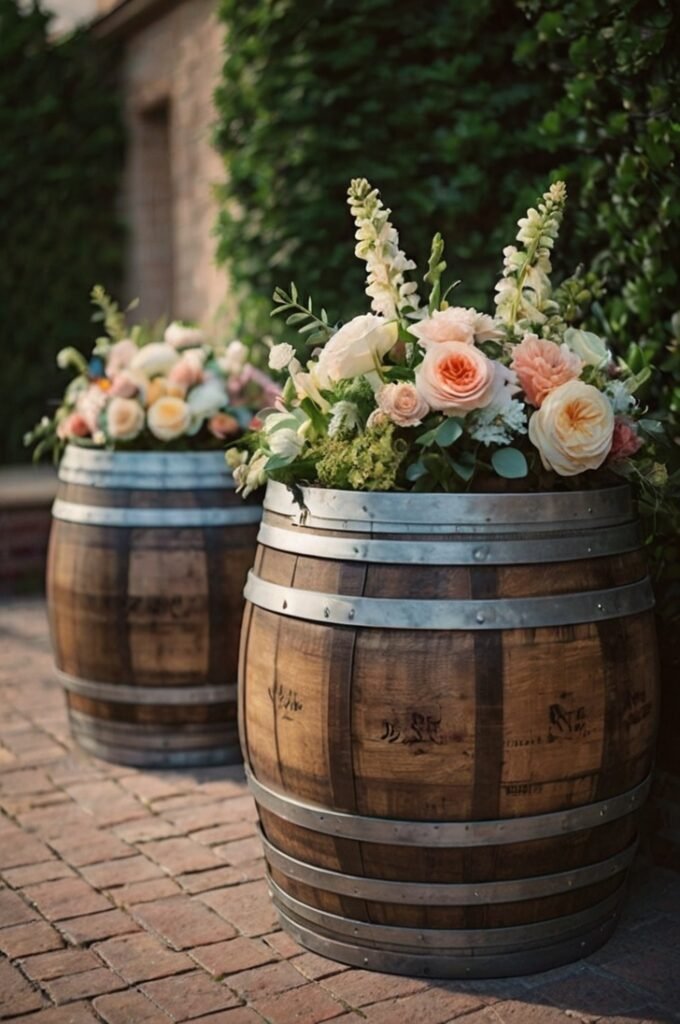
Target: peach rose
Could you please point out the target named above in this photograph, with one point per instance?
(168, 418)
(455, 378)
(402, 404)
(224, 426)
(625, 440)
(73, 426)
(573, 429)
(542, 366)
(189, 370)
(129, 384)
(124, 419)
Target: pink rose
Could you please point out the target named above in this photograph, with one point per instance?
(128, 384)
(402, 404)
(542, 366)
(224, 426)
(455, 377)
(73, 426)
(120, 356)
(625, 439)
(188, 372)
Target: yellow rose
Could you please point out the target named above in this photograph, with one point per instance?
(168, 418)
(573, 429)
(124, 419)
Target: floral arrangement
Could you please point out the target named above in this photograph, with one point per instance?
(427, 396)
(138, 392)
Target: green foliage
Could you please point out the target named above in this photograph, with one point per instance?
(368, 462)
(615, 126)
(423, 99)
(60, 159)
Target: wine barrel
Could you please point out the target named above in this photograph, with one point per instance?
(448, 706)
(147, 559)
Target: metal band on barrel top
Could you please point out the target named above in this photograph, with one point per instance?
(476, 550)
(144, 471)
(502, 613)
(460, 894)
(327, 508)
(452, 965)
(446, 833)
(118, 692)
(511, 938)
(95, 515)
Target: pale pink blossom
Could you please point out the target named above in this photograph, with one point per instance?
(90, 405)
(402, 403)
(625, 440)
(189, 370)
(73, 426)
(542, 366)
(120, 356)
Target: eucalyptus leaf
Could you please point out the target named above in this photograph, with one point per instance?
(510, 463)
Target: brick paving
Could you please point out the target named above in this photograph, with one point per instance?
(138, 897)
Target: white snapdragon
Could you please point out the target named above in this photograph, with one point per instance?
(378, 245)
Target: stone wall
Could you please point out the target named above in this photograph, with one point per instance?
(170, 68)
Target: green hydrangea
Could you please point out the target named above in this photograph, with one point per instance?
(368, 462)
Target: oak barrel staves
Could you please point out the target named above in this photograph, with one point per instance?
(148, 556)
(448, 706)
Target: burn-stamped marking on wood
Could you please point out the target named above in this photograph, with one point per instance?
(418, 728)
(285, 699)
(636, 708)
(567, 719)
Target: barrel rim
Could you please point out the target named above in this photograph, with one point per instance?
(605, 505)
(156, 518)
(97, 467)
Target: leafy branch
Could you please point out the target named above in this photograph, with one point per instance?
(302, 317)
(110, 313)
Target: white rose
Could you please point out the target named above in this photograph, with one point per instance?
(357, 347)
(155, 360)
(168, 418)
(573, 429)
(591, 349)
(124, 419)
(233, 360)
(206, 399)
(280, 356)
(179, 336)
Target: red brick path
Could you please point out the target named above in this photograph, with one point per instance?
(137, 897)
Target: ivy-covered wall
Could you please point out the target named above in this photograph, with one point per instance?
(422, 99)
(60, 162)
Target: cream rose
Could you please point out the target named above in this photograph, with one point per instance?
(168, 418)
(455, 378)
(573, 429)
(179, 336)
(356, 348)
(588, 346)
(124, 419)
(402, 403)
(155, 360)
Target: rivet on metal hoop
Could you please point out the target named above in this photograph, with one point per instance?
(326, 613)
(351, 613)
(479, 616)
(285, 605)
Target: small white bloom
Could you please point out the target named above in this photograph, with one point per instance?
(498, 424)
(235, 357)
(280, 356)
(620, 397)
(155, 360)
(180, 336)
(344, 417)
(378, 418)
(591, 348)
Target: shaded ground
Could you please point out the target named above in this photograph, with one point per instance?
(138, 897)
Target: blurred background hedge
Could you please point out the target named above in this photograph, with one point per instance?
(60, 162)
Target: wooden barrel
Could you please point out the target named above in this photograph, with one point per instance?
(147, 559)
(448, 706)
